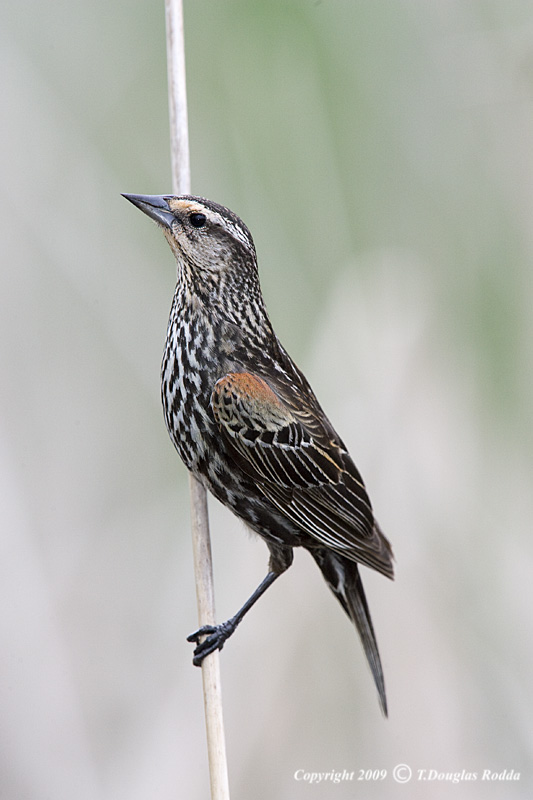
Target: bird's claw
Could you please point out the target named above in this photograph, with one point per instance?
(215, 636)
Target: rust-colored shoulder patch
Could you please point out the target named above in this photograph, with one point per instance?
(239, 393)
(249, 385)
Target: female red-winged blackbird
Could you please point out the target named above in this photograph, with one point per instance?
(246, 422)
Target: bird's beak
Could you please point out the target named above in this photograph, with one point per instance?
(155, 205)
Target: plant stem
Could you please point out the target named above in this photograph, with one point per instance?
(203, 569)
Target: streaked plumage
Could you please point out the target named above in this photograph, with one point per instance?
(246, 422)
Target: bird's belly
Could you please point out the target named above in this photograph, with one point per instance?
(186, 396)
(190, 429)
(196, 437)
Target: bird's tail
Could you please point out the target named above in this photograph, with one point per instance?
(342, 576)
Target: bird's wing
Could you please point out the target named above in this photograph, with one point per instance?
(297, 464)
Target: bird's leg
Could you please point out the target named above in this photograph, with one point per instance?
(216, 635)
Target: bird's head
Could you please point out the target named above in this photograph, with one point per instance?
(203, 235)
(215, 255)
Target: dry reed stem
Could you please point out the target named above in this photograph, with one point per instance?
(203, 569)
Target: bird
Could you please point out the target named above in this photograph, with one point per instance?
(247, 424)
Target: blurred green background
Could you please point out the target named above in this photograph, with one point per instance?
(381, 154)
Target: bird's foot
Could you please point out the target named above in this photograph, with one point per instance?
(215, 637)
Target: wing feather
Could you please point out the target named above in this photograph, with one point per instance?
(298, 465)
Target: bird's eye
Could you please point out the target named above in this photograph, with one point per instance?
(197, 220)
